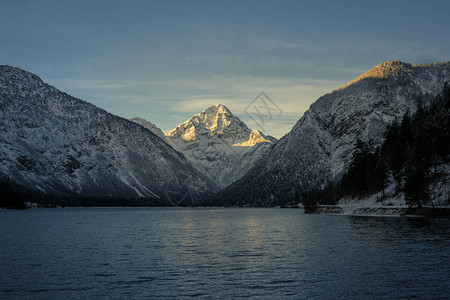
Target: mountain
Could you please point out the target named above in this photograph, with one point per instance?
(320, 145)
(411, 168)
(150, 126)
(219, 144)
(60, 145)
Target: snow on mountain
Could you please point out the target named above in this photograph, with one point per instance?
(150, 126)
(219, 144)
(319, 147)
(58, 144)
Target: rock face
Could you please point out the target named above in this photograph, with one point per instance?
(319, 147)
(218, 144)
(61, 145)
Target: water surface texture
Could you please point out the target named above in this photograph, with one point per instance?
(136, 253)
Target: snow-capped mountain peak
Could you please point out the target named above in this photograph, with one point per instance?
(215, 140)
(391, 69)
(254, 138)
(217, 109)
(216, 120)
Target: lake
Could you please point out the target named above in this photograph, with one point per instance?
(264, 253)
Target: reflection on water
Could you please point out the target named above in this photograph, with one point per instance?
(221, 253)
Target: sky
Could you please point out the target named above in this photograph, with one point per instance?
(167, 60)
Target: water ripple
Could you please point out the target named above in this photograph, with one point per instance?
(219, 253)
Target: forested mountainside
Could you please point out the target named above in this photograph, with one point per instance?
(414, 157)
(320, 146)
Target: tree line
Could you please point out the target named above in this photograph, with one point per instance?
(14, 196)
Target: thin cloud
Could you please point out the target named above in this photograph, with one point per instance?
(181, 98)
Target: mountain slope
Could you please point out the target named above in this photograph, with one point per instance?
(319, 147)
(61, 145)
(219, 144)
(150, 126)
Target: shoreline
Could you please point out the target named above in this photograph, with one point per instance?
(383, 211)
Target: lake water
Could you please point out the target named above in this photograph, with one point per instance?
(143, 253)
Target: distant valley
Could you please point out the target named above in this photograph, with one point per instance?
(60, 147)
(216, 143)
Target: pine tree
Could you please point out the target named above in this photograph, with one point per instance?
(416, 180)
(381, 174)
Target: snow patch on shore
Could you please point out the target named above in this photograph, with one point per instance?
(393, 202)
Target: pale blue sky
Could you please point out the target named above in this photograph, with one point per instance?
(166, 60)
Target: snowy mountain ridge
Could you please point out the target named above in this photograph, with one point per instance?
(319, 147)
(391, 69)
(61, 145)
(217, 120)
(219, 144)
(150, 126)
